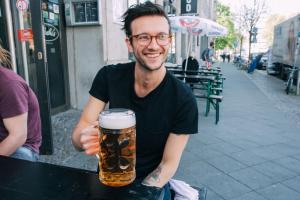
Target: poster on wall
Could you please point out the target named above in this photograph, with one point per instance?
(25, 35)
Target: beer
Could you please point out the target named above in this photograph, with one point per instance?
(117, 147)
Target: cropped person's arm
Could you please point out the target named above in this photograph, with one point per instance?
(17, 134)
(170, 161)
(85, 135)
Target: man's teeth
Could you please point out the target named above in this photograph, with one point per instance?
(153, 55)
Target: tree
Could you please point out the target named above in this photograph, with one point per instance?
(249, 16)
(224, 17)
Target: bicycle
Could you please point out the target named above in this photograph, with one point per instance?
(295, 69)
(290, 79)
(240, 63)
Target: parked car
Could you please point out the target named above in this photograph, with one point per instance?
(270, 67)
(263, 62)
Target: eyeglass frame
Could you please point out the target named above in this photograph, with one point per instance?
(151, 36)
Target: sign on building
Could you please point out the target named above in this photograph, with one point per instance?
(188, 7)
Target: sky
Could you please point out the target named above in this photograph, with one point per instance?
(284, 7)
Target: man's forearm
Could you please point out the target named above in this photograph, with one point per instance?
(160, 176)
(170, 161)
(10, 144)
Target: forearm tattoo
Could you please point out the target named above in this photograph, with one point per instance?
(153, 177)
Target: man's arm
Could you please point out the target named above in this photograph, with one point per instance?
(85, 135)
(170, 161)
(17, 134)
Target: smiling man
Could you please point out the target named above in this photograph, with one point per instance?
(166, 110)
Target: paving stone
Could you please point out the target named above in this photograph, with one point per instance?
(200, 171)
(248, 158)
(205, 152)
(226, 164)
(266, 137)
(250, 196)
(226, 186)
(274, 171)
(279, 192)
(252, 178)
(225, 148)
(267, 152)
(296, 156)
(244, 143)
(213, 196)
(293, 183)
(285, 149)
(289, 163)
(208, 139)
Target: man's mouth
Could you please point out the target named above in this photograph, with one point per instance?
(152, 55)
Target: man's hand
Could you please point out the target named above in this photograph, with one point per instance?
(89, 139)
(86, 134)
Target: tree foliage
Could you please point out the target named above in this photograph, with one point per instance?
(224, 17)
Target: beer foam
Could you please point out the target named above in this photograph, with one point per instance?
(117, 119)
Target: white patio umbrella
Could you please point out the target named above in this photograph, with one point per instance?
(196, 26)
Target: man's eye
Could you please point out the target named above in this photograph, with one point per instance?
(162, 37)
(143, 37)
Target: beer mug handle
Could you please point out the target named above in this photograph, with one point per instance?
(97, 126)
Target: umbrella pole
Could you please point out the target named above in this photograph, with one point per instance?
(187, 56)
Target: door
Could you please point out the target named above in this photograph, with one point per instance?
(3, 35)
(54, 38)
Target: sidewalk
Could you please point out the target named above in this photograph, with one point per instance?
(252, 154)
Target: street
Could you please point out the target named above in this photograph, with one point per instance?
(252, 154)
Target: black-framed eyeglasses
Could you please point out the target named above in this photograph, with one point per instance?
(145, 39)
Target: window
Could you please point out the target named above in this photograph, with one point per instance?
(83, 12)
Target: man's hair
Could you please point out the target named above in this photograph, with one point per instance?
(4, 58)
(211, 44)
(139, 10)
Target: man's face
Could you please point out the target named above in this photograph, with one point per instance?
(150, 56)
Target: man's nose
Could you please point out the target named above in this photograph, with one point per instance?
(153, 43)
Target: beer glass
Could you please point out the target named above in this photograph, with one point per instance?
(117, 155)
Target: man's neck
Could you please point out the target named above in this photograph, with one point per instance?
(146, 81)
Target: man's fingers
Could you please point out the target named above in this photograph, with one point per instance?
(90, 145)
(92, 149)
(88, 138)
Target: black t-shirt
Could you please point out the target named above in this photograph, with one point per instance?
(171, 107)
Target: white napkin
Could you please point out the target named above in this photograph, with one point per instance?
(183, 191)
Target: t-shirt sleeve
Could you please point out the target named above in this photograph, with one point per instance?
(186, 118)
(99, 87)
(14, 99)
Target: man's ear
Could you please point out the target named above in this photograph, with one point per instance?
(129, 45)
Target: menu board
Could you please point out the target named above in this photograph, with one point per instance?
(85, 12)
(91, 12)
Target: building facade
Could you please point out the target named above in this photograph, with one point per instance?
(58, 46)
